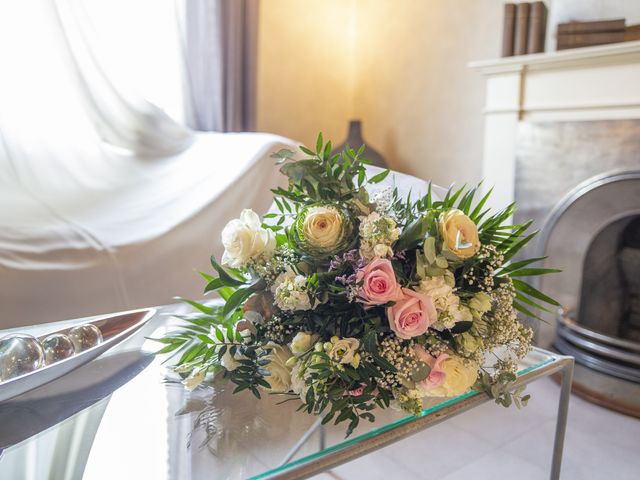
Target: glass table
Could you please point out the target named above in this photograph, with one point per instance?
(125, 415)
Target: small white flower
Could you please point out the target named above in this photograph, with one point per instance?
(377, 234)
(290, 291)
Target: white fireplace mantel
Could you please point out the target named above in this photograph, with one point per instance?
(593, 83)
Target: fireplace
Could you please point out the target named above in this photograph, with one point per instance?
(562, 138)
(593, 234)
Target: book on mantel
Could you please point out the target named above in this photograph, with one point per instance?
(524, 28)
(586, 34)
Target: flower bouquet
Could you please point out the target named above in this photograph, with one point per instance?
(348, 300)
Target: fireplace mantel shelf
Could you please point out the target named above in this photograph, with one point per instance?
(582, 84)
(617, 53)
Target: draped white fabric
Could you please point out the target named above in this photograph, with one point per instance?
(106, 203)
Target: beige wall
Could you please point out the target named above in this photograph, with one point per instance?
(399, 65)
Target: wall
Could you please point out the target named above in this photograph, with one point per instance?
(306, 70)
(399, 65)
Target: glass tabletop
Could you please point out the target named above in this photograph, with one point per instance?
(125, 415)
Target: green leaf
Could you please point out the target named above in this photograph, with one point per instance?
(235, 300)
(379, 177)
(283, 154)
(478, 208)
(227, 279)
(530, 272)
(199, 306)
(319, 143)
(533, 292)
(517, 265)
(370, 341)
(524, 310)
(413, 234)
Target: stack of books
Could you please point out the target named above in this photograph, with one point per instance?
(524, 29)
(601, 32)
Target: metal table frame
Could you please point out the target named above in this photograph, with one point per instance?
(560, 364)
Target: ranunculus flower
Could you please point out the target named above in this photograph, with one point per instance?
(412, 314)
(379, 283)
(279, 377)
(244, 239)
(460, 234)
(460, 375)
(322, 229)
(437, 375)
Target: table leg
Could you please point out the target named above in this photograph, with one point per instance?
(561, 421)
(316, 425)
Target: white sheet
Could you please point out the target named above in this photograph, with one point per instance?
(68, 253)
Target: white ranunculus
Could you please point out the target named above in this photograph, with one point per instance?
(279, 377)
(244, 239)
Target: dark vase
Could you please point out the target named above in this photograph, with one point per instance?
(355, 141)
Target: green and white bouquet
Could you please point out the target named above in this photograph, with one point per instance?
(348, 301)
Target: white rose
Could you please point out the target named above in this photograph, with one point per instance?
(244, 239)
(302, 342)
(460, 376)
(279, 377)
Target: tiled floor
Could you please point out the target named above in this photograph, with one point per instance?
(491, 442)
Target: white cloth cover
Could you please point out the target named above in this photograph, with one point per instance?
(132, 244)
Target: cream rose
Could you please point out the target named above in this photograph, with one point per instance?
(244, 239)
(279, 377)
(322, 228)
(459, 233)
(459, 377)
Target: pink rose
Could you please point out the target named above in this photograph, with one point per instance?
(412, 314)
(436, 376)
(379, 283)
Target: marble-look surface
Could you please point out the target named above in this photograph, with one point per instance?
(492, 443)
